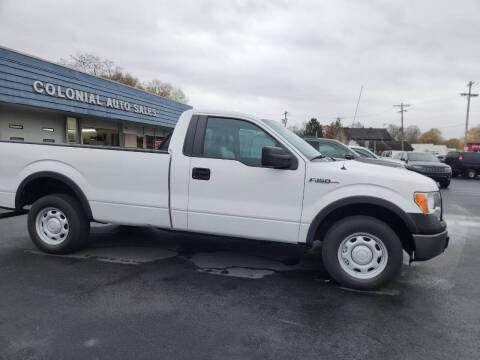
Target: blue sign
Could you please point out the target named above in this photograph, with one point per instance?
(30, 81)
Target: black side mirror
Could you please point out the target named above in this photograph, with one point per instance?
(349, 157)
(276, 157)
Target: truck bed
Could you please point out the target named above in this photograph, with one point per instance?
(126, 186)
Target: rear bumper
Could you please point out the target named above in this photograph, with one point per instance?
(431, 238)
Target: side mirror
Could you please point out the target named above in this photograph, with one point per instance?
(349, 157)
(276, 157)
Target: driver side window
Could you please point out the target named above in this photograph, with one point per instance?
(236, 140)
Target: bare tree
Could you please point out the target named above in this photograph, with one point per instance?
(107, 69)
(160, 88)
(412, 133)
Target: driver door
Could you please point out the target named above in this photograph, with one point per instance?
(231, 193)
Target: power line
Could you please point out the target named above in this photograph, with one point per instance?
(468, 95)
(402, 110)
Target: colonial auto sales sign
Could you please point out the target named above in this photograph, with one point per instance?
(59, 91)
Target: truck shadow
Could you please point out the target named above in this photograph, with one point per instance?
(224, 256)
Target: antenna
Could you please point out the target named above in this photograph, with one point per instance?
(356, 108)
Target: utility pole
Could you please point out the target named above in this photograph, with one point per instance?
(468, 95)
(285, 119)
(402, 110)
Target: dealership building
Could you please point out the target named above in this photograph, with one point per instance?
(41, 101)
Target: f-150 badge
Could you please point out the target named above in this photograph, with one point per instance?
(322, 181)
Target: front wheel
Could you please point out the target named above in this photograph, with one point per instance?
(57, 224)
(362, 252)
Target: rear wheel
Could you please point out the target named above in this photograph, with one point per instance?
(471, 173)
(362, 252)
(57, 224)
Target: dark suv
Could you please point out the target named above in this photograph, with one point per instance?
(339, 151)
(428, 164)
(464, 163)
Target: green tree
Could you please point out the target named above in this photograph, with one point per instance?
(453, 143)
(313, 128)
(432, 136)
(474, 134)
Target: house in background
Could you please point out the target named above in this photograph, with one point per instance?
(375, 139)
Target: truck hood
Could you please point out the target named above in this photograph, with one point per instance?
(426, 163)
(355, 172)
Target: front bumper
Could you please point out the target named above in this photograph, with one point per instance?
(431, 238)
(429, 246)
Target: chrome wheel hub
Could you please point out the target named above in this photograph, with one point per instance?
(362, 255)
(52, 226)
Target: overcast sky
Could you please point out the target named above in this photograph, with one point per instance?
(309, 58)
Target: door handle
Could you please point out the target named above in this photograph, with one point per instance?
(201, 174)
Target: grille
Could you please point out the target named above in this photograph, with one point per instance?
(434, 169)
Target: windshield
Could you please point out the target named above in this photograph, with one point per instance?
(293, 139)
(422, 157)
(364, 153)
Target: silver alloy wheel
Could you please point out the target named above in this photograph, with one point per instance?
(471, 174)
(52, 226)
(362, 255)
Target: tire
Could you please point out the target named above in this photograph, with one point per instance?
(471, 174)
(444, 184)
(369, 233)
(57, 224)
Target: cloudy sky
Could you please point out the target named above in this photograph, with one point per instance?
(309, 58)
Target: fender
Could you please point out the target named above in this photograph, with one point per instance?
(53, 175)
(356, 200)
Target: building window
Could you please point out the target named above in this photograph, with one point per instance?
(13, 138)
(48, 140)
(15, 126)
(149, 142)
(72, 130)
(97, 136)
(48, 129)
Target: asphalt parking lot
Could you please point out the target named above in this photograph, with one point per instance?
(144, 293)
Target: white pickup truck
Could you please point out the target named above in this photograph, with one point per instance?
(234, 175)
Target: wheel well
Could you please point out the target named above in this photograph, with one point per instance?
(36, 186)
(376, 211)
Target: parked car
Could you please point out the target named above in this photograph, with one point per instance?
(427, 164)
(339, 151)
(364, 152)
(390, 154)
(464, 163)
(233, 175)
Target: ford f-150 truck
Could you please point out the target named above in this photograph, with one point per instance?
(234, 175)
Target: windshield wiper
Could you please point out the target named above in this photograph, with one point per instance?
(321, 156)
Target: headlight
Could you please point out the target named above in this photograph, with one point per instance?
(418, 167)
(429, 203)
